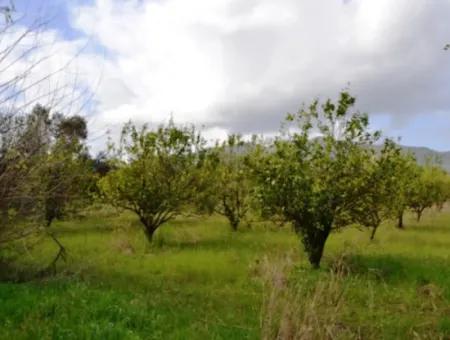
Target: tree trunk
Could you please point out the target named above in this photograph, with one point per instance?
(4, 215)
(374, 230)
(49, 220)
(234, 225)
(400, 224)
(419, 215)
(232, 219)
(149, 232)
(149, 229)
(316, 253)
(62, 254)
(314, 240)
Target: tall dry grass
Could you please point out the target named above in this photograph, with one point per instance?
(303, 309)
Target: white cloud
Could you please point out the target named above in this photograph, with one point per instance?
(240, 65)
(37, 65)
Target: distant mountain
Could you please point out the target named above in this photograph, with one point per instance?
(423, 153)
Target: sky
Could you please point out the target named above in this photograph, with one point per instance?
(240, 66)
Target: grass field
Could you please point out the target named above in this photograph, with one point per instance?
(199, 280)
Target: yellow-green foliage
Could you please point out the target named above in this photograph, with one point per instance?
(155, 175)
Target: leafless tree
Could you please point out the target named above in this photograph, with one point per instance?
(30, 73)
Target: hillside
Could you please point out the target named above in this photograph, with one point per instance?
(423, 153)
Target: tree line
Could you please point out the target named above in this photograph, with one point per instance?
(325, 171)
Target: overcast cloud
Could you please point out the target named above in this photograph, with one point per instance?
(239, 66)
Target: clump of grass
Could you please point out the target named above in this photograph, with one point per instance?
(303, 309)
(345, 301)
(123, 245)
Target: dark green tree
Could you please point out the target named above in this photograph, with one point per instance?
(313, 176)
(68, 174)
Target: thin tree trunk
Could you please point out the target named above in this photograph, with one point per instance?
(374, 230)
(49, 221)
(62, 254)
(234, 225)
(149, 229)
(400, 224)
(230, 214)
(419, 215)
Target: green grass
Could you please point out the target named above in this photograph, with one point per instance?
(199, 280)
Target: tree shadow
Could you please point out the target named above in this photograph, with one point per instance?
(397, 269)
(429, 229)
(14, 273)
(89, 229)
(233, 241)
(218, 244)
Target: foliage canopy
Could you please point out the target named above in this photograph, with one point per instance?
(157, 173)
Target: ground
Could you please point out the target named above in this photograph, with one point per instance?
(200, 280)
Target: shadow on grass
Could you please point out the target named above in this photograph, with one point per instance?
(14, 273)
(88, 229)
(429, 229)
(400, 269)
(234, 240)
